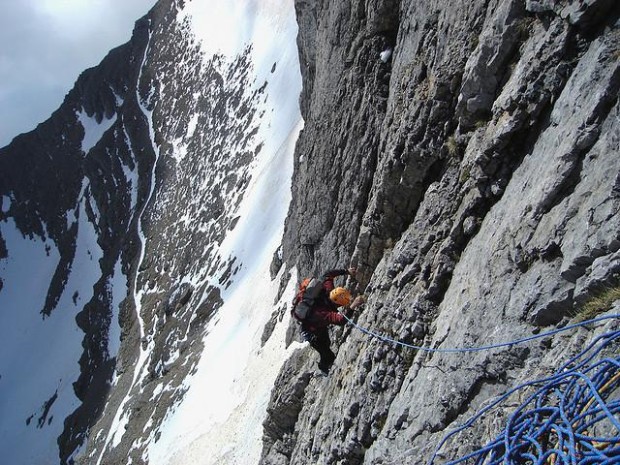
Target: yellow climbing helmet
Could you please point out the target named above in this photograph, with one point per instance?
(340, 296)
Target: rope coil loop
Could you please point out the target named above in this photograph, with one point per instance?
(571, 417)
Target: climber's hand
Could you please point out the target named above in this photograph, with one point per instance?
(359, 300)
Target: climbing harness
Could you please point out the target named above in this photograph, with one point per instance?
(572, 417)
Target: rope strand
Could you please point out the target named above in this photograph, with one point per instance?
(479, 348)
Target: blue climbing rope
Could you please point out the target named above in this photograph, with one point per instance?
(571, 417)
(478, 348)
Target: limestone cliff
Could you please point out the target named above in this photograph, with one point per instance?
(473, 176)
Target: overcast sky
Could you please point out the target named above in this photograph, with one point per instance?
(46, 44)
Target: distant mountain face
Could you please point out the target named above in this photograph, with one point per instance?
(71, 199)
(114, 219)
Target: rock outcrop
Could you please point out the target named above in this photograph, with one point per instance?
(472, 176)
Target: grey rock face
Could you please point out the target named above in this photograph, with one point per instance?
(473, 179)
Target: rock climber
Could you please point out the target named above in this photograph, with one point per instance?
(324, 312)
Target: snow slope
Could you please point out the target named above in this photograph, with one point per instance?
(218, 409)
(220, 418)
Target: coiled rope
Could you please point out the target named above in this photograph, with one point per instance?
(572, 417)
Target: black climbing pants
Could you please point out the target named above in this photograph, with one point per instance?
(319, 340)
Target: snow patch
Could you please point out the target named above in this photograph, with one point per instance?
(71, 218)
(119, 100)
(6, 203)
(385, 55)
(117, 286)
(191, 126)
(93, 130)
(132, 180)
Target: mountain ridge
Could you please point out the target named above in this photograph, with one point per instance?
(153, 156)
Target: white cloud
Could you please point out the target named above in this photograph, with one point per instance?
(46, 44)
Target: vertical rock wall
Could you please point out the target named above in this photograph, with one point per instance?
(473, 178)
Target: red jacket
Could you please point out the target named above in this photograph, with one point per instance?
(324, 312)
